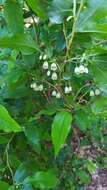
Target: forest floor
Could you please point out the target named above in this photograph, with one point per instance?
(99, 180)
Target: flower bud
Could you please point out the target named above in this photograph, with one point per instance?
(53, 67)
(45, 65)
(54, 76)
(48, 73)
(40, 57)
(44, 57)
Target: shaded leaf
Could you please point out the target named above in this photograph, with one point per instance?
(42, 180)
(33, 137)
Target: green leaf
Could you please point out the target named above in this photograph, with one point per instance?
(91, 166)
(24, 170)
(59, 9)
(37, 7)
(99, 105)
(84, 177)
(20, 42)
(8, 124)
(4, 140)
(93, 17)
(42, 180)
(83, 120)
(4, 185)
(99, 69)
(14, 16)
(60, 129)
(33, 137)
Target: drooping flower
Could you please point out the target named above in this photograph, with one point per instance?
(45, 65)
(54, 76)
(53, 67)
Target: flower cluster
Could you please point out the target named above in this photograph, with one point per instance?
(80, 70)
(36, 87)
(51, 69)
(95, 93)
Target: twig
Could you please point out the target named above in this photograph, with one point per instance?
(7, 158)
(73, 28)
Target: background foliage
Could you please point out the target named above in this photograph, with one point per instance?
(43, 138)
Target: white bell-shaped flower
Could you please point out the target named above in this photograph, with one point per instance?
(81, 69)
(54, 93)
(77, 70)
(40, 87)
(92, 93)
(70, 89)
(48, 73)
(36, 88)
(66, 90)
(53, 67)
(45, 65)
(33, 85)
(86, 70)
(97, 92)
(54, 76)
(58, 95)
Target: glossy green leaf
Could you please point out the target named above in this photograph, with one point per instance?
(93, 17)
(8, 124)
(60, 129)
(14, 16)
(37, 7)
(20, 42)
(42, 180)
